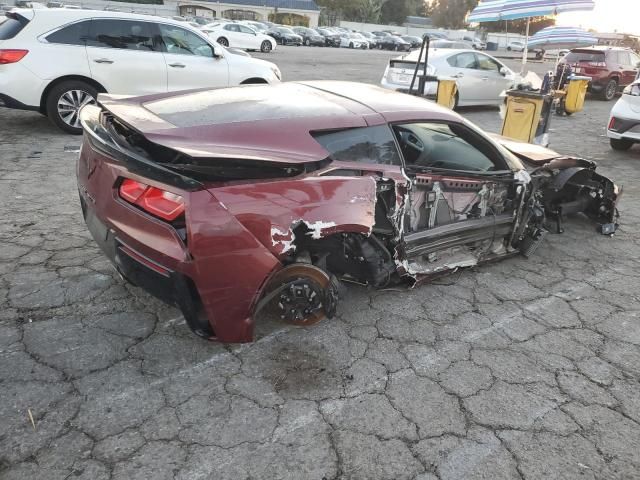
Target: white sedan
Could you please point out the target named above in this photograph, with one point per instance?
(624, 125)
(353, 40)
(480, 78)
(515, 47)
(240, 36)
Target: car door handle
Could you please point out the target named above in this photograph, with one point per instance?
(103, 60)
(484, 79)
(458, 75)
(177, 65)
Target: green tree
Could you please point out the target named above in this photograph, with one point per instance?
(451, 13)
(394, 11)
(370, 10)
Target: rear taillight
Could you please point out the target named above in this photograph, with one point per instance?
(11, 56)
(131, 191)
(612, 123)
(160, 203)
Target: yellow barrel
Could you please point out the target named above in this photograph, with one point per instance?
(447, 90)
(576, 93)
(522, 117)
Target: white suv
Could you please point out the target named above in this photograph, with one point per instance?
(55, 61)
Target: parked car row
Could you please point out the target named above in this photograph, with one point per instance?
(320, 36)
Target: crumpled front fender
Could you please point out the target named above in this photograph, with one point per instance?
(578, 188)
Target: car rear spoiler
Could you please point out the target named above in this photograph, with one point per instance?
(103, 139)
(115, 138)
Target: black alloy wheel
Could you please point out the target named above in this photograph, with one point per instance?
(610, 90)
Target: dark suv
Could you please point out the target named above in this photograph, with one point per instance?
(611, 68)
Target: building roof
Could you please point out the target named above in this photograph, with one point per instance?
(289, 4)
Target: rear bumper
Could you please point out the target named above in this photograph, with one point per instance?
(430, 88)
(10, 102)
(624, 129)
(170, 286)
(20, 88)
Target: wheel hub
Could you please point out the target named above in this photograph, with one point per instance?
(69, 105)
(305, 294)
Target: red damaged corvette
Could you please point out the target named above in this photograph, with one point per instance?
(225, 202)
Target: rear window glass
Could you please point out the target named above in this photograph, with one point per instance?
(405, 65)
(11, 26)
(365, 145)
(585, 57)
(75, 34)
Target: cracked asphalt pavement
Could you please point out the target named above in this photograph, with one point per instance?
(521, 369)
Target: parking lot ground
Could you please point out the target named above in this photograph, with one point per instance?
(521, 369)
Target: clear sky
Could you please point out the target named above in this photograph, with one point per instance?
(609, 16)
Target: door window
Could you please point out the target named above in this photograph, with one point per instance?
(74, 34)
(635, 60)
(232, 27)
(487, 63)
(463, 60)
(446, 146)
(123, 34)
(366, 145)
(183, 42)
(246, 30)
(624, 59)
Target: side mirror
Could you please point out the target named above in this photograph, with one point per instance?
(504, 71)
(218, 51)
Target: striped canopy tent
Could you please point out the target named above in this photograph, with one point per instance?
(500, 10)
(562, 37)
(497, 10)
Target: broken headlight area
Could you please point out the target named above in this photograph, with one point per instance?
(571, 186)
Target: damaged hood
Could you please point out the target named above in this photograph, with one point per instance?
(530, 153)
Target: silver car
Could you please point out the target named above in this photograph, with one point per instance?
(480, 78)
